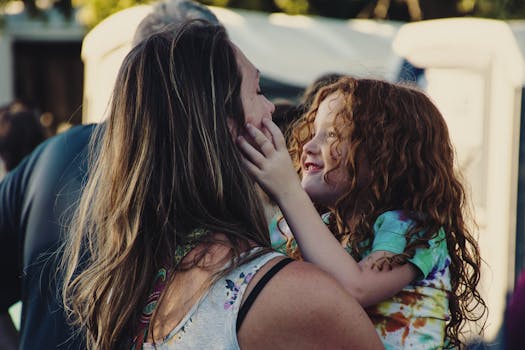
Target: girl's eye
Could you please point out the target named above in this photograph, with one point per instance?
(332, 134)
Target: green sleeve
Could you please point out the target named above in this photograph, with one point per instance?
(390, 231)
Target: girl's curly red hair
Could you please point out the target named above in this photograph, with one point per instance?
(409, 162)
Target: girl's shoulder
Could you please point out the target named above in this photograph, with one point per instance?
(393, 221)
(400, 222)
(390, 234)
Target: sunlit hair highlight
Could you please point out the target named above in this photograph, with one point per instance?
(398, 136)
(163, 165)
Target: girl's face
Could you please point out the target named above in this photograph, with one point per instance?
(324, 154)
(255, 105)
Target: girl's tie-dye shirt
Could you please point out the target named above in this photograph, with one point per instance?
(279, 231)
(414, 318)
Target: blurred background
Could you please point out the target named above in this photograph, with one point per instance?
(45, 38)
(60, 58)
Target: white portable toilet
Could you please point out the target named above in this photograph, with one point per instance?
(103, 51)
(473, 70)
(6, 69)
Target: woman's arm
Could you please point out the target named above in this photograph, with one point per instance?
(272, 168)
(302, 307)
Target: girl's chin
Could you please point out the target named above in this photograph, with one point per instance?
(318, 198)
(320, 195)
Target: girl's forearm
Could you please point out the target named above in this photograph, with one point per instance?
(318, 246)
(315, 240)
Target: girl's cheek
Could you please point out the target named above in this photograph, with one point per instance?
(336, 152)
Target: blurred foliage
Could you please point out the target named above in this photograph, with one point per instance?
(93, 11)
(500, 9)
(259, 5)
(403, 10)
(33, 7)
(293, 7)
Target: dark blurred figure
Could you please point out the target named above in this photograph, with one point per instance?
(312, 89)
(411, 75)
(515, 316)
(20, 133)
(286, 112)
(34, 201)
(169, 13)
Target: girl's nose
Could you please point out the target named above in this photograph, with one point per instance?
(311, 146)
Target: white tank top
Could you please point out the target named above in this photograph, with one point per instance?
(211, 322)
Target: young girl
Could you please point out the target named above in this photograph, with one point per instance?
(377, 160)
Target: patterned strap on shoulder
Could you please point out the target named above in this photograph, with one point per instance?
(158, 286)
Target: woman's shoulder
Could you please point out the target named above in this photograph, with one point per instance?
(304, 307)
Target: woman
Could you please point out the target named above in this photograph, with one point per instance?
(170, 221)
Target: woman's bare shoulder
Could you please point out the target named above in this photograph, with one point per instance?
(302, 307)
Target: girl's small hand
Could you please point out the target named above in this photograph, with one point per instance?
(270, 164)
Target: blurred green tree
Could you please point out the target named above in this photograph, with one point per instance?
(93, 11)
(293, 7)
(33, 10)
(500, 9)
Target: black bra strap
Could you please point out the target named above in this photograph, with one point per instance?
(258, 288)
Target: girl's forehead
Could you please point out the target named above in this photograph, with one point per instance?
(329, 108)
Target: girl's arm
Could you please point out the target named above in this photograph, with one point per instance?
(272, 167)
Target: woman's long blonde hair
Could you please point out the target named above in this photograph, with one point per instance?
(164, 164)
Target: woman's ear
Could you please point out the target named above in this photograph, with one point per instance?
(232, 127)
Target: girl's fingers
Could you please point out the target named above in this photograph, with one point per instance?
(265, 144)
(250, 153)
(252, 169)
(277, 135)
(267, 133)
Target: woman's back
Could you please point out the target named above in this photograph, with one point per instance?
(198, 317)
